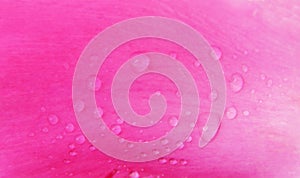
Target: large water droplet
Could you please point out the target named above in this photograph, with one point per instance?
(140, 63)
(173, 121)
(236, 82)
(134, 174)
(116, 129)
(69, 127)
(231, 112)
(53, 119)
(79, 106)
(80, 139)
(216, 53)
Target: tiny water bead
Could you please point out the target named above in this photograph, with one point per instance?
(173, 121)
(246, 113)
(134, 174)
(162, 160)
(189, 139)
(236, 82)
(231, 112)
(53, 119)
(72, 146)
(216, 53)
(94, 86)
(213, 95)
(155, 152)
(70, 127)
(73, 153)
(79, 106)
(92, 148)
(140, 63)
(197, 63)
(164, 141)
(269, 82)
(99, 112)
(183, 162)
(173, 161)
(80, 139)
(116, 129)
(45, 130)
(245, 68)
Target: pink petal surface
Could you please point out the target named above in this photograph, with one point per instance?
(259, 49)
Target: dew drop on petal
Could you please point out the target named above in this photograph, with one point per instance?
(80, 139)
(173, 161)
(173, 121)
(213, 95)
(246, 113)
(236, 82)
(140, 63)
(216, 53)
(116, 129)
(162, 160)
(164, 141)
(79, 106)
(134, 174)
(70, 127)
(231, 112)
(53, 119)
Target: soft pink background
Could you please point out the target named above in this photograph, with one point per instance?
(40, 43)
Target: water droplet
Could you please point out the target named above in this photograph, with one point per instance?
(121, 140)
(162, 160)
(155, 152)
(53, 119)
(245, 68)
(173, 121)
(197, 63)
(80, 139)
(45, 130)
(189, 139)
(134, 174)
(31, 134)
(94, 86)
(236, 82)
(269, 83)
(262, 76)
(66, 161)
(173, 161)
(99, 112)
(59, 137)
(216, 53)
(130, 145)
(246, 113)
(70, 127)
(43, 109)
(180, 145)
(116, 129)
(164, 141)
(183, 162)
(213, 95)
(120, 121)
(173, 55)
(73, 153)
(92, 148)
(231, 112)
(143, 154)
(205, 128)
(79, 106)
(72, 146)
(140, 63)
